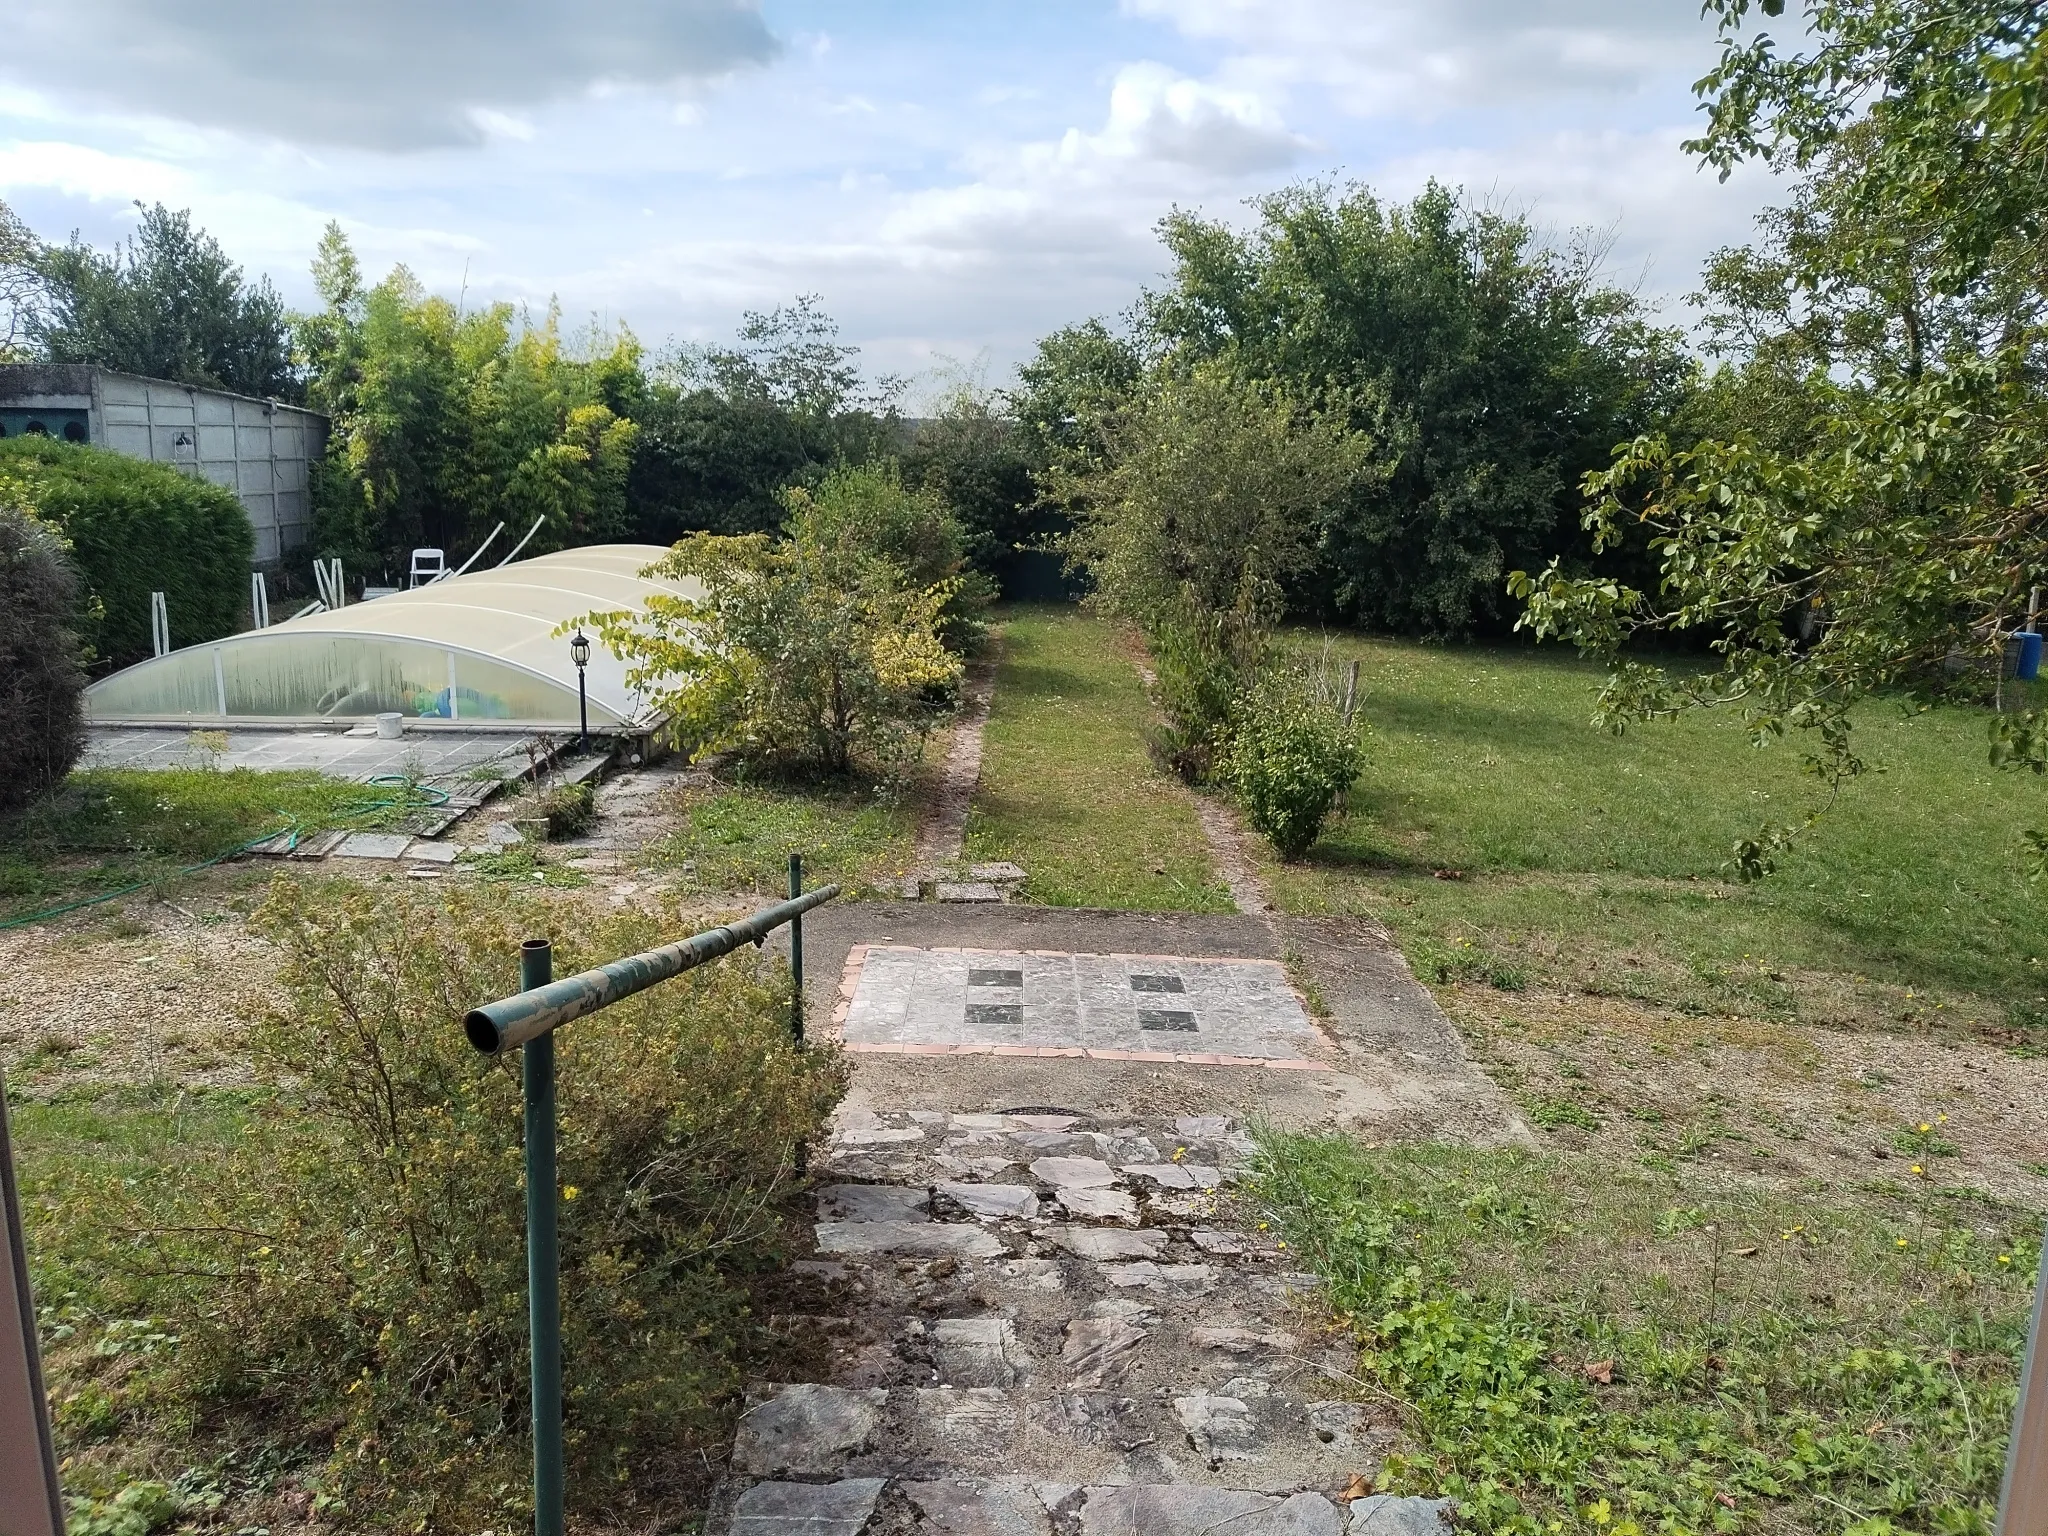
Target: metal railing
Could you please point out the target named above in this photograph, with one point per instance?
(527, 1020)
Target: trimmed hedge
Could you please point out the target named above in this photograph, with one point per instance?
(137, 528)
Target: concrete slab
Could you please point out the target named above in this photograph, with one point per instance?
(332, 751)
(1218, 1005)
(372, 845)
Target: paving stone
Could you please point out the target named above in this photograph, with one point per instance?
(1385, 1514)
(1033, 1275)
(1247, 1388)
(1219, 1428)
(1095, 1344)
(806, 1429)
(432, 853)
(1198, 1127)
(977, 1422)
(1176, 1175)
(955, 1509)
(1210, 1241)
(1001, 873)
(1341, 1425)
(979, 1123)
(873, 1202)
(1108, 1243)
(969, 891)
(372, 845)
(979, 1352)
(877, 1136)
(908, 1239)
(1244, 1341)
(807, 1509)
(1047, 1142)
(1091, 1418)
(1074, 1172)
(504, 834)
(1189, 1205)
(1190, 1509)
(1099, 1204)
(1045, 1122)
(1187, 1279)
(993, 1200)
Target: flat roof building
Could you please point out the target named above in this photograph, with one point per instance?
(262, 450)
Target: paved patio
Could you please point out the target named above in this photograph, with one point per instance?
(340, 753)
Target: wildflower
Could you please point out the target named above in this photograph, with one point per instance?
(1919, 1170)
(1263, 1225)
(2005, 1258)
(1941, 1119)
(570, 1191)
(1925, 1127)
(263, 1252)
(1902, 1242)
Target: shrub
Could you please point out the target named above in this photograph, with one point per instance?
(352, 1278)
(1291, 755)
(570, 809)
(42, 719)
(1206, 662)
(137, 528)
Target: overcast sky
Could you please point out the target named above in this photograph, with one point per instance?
(956, 178)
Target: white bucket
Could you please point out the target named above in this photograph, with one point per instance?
(390, 725)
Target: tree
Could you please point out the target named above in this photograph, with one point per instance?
(1893, 545)
(21, 284)
(978, 462)
(42, 685)
(168, 305)
(813, 651)
(1494, 370)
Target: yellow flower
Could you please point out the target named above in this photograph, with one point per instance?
(1925, 1127)
(2005, 1258)
(1941, 1119)
(263, 1252)
(570, 1191)
(1902, 1242)
(1919, 1170)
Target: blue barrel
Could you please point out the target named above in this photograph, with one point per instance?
(2028, 666)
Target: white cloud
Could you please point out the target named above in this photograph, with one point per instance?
(381, 74)
(1157, 114)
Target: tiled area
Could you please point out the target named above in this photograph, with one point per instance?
(1144, 1007)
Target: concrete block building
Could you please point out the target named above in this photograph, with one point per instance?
(261, 450)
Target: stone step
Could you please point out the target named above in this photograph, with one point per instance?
(954, 1506)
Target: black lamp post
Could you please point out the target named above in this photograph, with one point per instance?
(579, 652)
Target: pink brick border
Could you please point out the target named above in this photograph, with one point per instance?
(857, 956)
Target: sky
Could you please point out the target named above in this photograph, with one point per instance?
(954, 177)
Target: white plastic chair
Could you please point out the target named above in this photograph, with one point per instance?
(430, 564)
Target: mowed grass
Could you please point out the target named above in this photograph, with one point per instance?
(1503, 837)
(1067, 789)
(738, 837)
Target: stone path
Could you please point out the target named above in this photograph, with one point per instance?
(940, 838)
(1047, 1324)
(1042, 1301)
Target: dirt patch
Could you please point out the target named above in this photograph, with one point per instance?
(1763, 1099)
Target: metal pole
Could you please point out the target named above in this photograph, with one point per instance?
(796, 951)
(543, 1254)
(583, 710)
(2023, 1499)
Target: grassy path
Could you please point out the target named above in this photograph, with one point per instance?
(1067, 790)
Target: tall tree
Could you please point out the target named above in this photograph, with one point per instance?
(169, 304)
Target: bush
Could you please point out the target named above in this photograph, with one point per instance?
(42, 718)
(137, 528)
(1206, 662)
(1291, 755)
(570, 809)
(351, 1279)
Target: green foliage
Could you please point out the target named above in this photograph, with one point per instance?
(1566, 1357)
(448, 422)
(569, 809)
(1491, 371)
(349, 1277)
(1205, 664)
(1205, 496)
(1462, 959)
(168, 305)
(42, 716)
(136, 1510)
(813, 651)
(137, 528)
(1292, 756)
(979, 464)
(1892, 541)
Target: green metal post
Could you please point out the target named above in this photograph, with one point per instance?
(796, 950)
(543, 1256)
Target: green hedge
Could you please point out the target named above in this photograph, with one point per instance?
(137, 528)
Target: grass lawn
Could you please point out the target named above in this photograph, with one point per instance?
(738, 837)
(1602, 864)
(1564, 1346)
(107, 829)
(1067, 790)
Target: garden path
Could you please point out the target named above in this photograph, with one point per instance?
(1047, 1307)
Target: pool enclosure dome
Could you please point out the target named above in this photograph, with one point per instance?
(476, 650)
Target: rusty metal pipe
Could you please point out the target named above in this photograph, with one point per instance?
(497, 1027)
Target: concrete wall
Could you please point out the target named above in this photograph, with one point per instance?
(262, 451)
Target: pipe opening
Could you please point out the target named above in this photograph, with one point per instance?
(483, 1034)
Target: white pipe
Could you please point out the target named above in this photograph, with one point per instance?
(464, 567)
(316, 606)
(159, 624)
(521, 544)
(259, 601)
